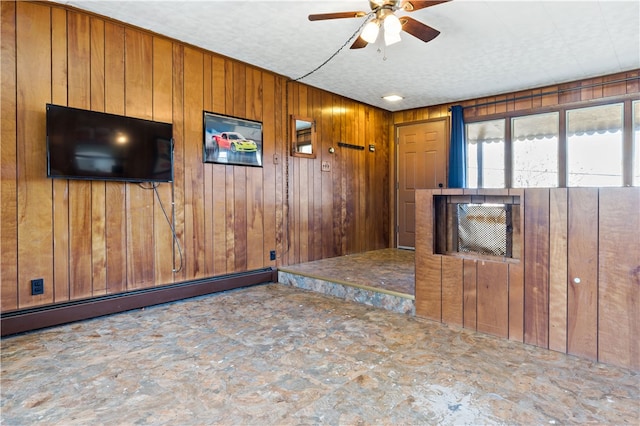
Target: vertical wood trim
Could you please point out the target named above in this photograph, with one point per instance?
(516, 302)
(139, 201)
(218, 176)
(255, 178)
(240, 208)
(59, 76)
(255, 219)
(269, 203)
(230, 218)
(8, 160)
(98, 189)
(470, 283)
(619, 277)
(34, 202)
(281, 177)
(115, 213)
(536, 267)
(493, 298)
(80, 203)
(324, 141)
(558, 223)
(193, 166)
(162, 111)
(317, 243)
(452, 290)
(428, 266)
(179, 174)
(582, 297)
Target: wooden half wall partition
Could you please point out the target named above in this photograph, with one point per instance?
(575, 288)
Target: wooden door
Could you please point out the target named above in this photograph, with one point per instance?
(421, 164)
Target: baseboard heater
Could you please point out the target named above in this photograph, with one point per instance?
(61, 313)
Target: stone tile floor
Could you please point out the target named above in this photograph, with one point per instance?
(277, 355)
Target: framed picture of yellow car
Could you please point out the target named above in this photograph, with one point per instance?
(232, 140)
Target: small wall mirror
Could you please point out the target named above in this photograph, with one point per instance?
(303, 137)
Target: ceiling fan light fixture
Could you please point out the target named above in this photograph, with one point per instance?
(392, 29)
(370, 31)
(392, 24)
(391, 38)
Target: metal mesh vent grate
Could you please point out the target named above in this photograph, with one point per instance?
(482, 228)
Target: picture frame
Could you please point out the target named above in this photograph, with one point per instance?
(231, 140)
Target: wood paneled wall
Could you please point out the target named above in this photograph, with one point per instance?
(344, 210)
(567, 94)
(576, 289)
(93, 238)
(573, 93)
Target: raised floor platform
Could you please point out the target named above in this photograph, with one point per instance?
(381, 278)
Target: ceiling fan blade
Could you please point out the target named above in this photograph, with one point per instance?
(359, 43)
(411, 5)
(335, 15)
(418, 29)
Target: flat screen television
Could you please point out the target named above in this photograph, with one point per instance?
(93, 145)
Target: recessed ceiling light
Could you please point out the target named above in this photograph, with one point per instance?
(392, 98)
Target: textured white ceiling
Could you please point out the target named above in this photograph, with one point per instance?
(485, 47)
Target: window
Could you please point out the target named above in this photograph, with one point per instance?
(535, 150)
(485, 154)
(636, 144)
(594, 146)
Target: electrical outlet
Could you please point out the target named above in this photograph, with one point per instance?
(37, 286)
(326, 166)
(272, 255)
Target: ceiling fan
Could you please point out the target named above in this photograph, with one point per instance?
(383, 16)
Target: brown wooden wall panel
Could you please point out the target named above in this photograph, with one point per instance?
(452, 290)
(59, 75)
(162, 111)
(179, 172)
(218, 175)
(208, 194)
(193, 183)
(8, 160)
(558, 222)
(470, 292)
(536, 267)
(269, 171)
(582, 295)
(326, 197)
(516, 270)
(115, 226)
(493, 298)
(428, 265)
(516, 301)
(139, 201)
(429, 287)
(34, 201)
(98, 189)
(344, 210)
(240, 218)
(80, 203)
(619, 277)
